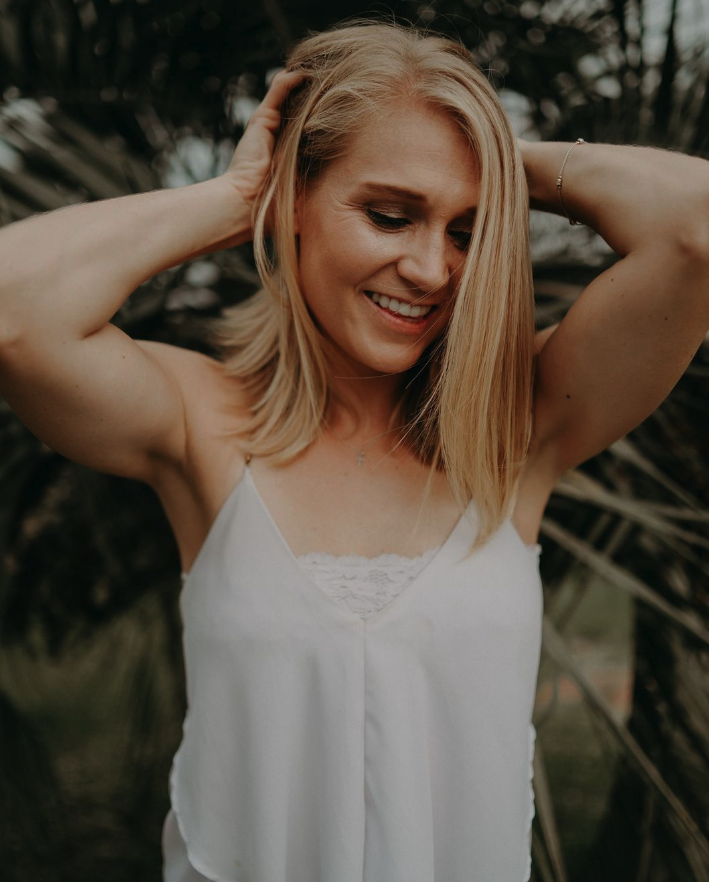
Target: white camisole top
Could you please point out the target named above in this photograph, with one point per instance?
(331, 738)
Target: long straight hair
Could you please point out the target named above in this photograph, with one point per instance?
(466, 403)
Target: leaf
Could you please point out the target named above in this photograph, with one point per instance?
(626, 450)
(582, 487)
(602, 565)
(556, 872)
(557, 651)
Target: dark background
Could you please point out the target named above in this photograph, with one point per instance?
(102, 99)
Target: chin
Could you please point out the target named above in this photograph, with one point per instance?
(394, 363)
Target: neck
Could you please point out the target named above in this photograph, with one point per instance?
(362, 405)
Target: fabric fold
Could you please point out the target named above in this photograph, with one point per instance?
(319, 746)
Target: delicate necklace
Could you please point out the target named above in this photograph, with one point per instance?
(358, 450)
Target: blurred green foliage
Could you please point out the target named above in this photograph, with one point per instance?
(107, 97)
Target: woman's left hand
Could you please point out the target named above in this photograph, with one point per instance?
(630, 335)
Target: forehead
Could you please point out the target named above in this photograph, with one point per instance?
(412, 147)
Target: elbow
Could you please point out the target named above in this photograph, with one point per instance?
(694, 235)
(10, 333)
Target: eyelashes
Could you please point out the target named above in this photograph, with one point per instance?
(461, 238)
(388, 221)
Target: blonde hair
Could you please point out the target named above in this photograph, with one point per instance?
(467, 401)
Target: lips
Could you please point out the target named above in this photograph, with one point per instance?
(397, 306)
(405, 325)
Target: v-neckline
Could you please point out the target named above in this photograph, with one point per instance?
(405, 596)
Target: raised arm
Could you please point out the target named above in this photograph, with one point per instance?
(78, 382)
(629, 337)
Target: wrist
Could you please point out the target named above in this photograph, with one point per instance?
(240, 208)
(543, 161)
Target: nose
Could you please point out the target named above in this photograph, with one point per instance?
(426, 263)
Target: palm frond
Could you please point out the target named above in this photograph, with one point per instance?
(114, 89)
(615, 574)
(557, 651)
(547, 850)
(659, 521)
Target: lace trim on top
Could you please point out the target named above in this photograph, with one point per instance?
(363, 584)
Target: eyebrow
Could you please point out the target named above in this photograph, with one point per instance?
(403, 193)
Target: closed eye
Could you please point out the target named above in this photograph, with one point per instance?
(461, 238)
(387, 221)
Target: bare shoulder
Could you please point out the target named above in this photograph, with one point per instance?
(189, 367)
(192, 491)
(213, 401)
(198, 374)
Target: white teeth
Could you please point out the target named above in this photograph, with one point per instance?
(399, 308)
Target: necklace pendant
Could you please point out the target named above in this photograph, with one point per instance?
(360, 458)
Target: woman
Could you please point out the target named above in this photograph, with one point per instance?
(373, 419)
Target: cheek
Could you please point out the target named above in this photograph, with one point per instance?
(341, 254)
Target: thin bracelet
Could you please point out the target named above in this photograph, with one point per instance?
(574, 223)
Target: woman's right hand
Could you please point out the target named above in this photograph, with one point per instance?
(252, 158)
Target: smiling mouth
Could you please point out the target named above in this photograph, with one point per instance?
(399, 307)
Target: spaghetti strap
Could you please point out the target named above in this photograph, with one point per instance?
(257, 627)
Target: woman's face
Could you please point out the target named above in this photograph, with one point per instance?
(391, 218)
